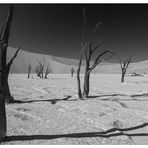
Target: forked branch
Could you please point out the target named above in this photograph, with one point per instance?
(14, 56)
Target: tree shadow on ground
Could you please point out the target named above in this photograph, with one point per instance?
(108, 95)
(104, 134)
(53, 101)
(131, 97)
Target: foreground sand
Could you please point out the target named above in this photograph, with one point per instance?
(49, 112)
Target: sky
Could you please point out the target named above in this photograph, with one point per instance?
(56, 29)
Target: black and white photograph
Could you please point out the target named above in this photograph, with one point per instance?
(73, 73)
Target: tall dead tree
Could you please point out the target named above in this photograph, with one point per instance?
(29, 70)
(88, 50)
(124, 65)
(4, 70)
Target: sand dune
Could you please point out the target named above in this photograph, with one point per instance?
(63, 65)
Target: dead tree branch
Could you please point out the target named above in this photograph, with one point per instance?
(12, 59)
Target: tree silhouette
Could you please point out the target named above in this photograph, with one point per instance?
(29, 70)
(39, 69)
(4, 70)
(124, 65)
(48, 70)
(88, 50)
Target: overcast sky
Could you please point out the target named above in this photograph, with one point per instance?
(55, 29)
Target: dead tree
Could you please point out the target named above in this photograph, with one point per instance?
(80, 95)
(4, 38)
(89, 50)
(29, 70)
(39, 69)
(48, 71)
(124, 65)
(4, 70)
(72, 71)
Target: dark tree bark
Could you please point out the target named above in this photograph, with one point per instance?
(78, 79)
(86, 82)
(29, 70)
(4, 37)
(122, 76)
(124, 65)
(9, 98)
(3, 124)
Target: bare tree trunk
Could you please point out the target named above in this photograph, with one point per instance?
(3, 123)
(29, 71)
(9, 98)
(122, 77)
(78, 79)
(2, 94)
(86, 82)
(71, 74)
(4, 69)
(28, 75)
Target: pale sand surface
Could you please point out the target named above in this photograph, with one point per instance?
(45, 116)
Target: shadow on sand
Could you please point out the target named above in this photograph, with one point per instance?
(104, 134)
(53, 101)
(131, 97)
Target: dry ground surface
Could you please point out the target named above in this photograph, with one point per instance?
(48, 110)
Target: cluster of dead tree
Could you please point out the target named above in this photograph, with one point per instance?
(88, 50)
(42, 70)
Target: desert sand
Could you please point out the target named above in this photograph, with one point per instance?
(47, 111)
